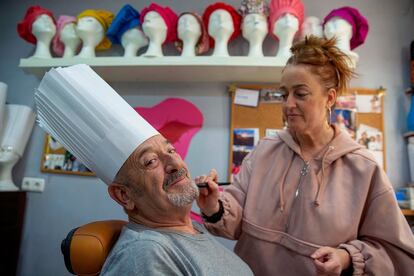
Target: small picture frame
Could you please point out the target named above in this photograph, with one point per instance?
(345, 120)
(244, 140)
(56, 159)
(270, 95)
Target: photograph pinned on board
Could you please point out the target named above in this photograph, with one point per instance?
(244, 140)
(344, 119)
(372, 139)
(369, 103)
(347, 101)
(270, 95)
(56, 159)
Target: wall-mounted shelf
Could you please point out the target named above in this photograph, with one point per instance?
(169, 68)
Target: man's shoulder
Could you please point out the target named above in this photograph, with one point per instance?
(131, 238)
(145, 252)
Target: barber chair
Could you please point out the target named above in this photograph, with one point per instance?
(85, 248)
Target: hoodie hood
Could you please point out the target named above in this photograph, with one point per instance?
(341, 145)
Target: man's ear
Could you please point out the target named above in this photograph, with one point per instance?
(121, 194)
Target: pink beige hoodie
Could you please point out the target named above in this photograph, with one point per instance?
(281, 209)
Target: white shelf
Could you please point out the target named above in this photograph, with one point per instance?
(169, 68)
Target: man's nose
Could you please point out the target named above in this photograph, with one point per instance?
(172, 164)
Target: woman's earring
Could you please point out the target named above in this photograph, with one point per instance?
(330, 115)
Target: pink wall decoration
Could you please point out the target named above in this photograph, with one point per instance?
(176, 119)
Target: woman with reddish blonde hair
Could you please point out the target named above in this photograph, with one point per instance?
(310, 200)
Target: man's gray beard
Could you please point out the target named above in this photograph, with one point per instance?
(183, 195)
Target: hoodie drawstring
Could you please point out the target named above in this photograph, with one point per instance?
(281, 186)
(322, 182)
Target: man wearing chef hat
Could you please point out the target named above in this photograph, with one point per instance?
(144, 175)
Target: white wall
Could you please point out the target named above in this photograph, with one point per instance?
(69, 201)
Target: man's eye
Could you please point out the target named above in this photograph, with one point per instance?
(172, 151)
(149, 162)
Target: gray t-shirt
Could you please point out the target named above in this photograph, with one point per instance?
(144, 251)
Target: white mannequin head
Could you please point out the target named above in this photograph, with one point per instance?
(254, 27)
(44, 29)
(220, 25)
(91, 32)
(155, 29)
(18, 124)
(133, 40)
(8, 159)
(254, 30)
(286, 26)
(220, 28)
(339, 28)
(70, 39)
(312, 25)
(189, 31)
(342, 31)
(188, 28)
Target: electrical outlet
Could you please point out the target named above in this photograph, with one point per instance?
(32, 184)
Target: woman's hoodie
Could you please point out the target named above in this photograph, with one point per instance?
(281, 209)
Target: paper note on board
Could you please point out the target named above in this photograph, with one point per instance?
(246, 97)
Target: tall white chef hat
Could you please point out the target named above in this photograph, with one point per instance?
(82, 112)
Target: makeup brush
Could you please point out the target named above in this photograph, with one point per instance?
(205, 185)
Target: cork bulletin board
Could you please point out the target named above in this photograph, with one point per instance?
(269, 116)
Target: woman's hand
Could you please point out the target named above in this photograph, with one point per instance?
(208, 198)
(330, 261)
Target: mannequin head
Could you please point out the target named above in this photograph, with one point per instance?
(188, 28)
(8, 159)
(279, 9)
(44, 28)
(254, 27)
(90, 31)
(312, 26)
(18, 124)
(339, 28)
(348, 25)
(222, 22)
(8, 155)
(285, 25)
(38, 23)
(134, 38)
(220, 25)
(192, 35)
(66, 42)
(159, 23)
(126, 30)
(68, 35)
(154, 27)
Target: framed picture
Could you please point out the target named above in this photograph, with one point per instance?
(345, 120)
(56, 159)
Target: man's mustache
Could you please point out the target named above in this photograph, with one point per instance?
(174, 176)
